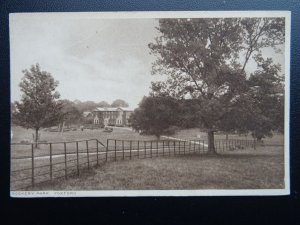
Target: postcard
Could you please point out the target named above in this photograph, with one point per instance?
(187, 103)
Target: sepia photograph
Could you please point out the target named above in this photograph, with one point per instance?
(149, 103)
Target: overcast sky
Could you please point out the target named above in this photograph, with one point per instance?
(92, 58)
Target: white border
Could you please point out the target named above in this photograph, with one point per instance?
(183, 14)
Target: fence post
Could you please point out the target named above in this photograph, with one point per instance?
(157, 149)
(174, 148)
(169, 147)
(123, 150)
(66, 169)
(184, 147)
(138, 149)
(87, 153)
(32, 166)
(145, 155)
(115, 150)
(107, 142)
(130, 148)
(150, 149)
(163, 148)
(97, 152)
(77, 158)
(50, 151)
(179, 147)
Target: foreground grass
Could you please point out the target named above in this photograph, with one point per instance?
(251, 169)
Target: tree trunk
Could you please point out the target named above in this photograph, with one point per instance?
(211, 143)
(36, 137)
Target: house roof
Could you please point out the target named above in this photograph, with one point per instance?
(112, 109)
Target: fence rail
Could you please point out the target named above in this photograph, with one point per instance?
(129, 149)
(49, 161)
(31, 165)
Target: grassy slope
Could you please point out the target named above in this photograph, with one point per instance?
(262, 169)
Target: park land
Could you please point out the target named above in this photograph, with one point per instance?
(262, 168)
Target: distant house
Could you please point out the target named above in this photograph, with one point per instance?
(112, 116)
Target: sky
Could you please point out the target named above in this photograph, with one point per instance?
(94, 59)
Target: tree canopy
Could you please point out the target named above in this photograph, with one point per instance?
(39, 106)
(119, 103)
(205, 59)
(155, 116)
(70, 114)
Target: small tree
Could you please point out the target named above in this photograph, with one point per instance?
(38, 106)
(155, 116)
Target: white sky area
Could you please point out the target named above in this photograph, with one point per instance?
(93, 59)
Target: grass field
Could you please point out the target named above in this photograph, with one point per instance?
(262, 169)
(193, 134)
(20, 134)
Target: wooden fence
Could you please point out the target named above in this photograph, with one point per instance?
(31, 166)
(129, 149)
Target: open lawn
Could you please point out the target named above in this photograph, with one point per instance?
(262, 168)
(194, 134)
(125, 133)
(121, 133)
(248, 168)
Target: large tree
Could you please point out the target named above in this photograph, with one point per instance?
(155, 116)
(38, 106)
(205, 59)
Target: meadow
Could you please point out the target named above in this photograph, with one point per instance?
(263, 169)
(260, 168)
